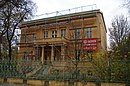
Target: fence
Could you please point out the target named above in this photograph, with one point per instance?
(85, 71)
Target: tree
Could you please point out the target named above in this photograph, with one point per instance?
(2, 30)
(119, 34)
(126, 4)
(3, 40)
(4, 2)
(119, 31)
(111, 70)
(11, 17)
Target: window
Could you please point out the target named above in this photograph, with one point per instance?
(25, 38)
(45, 34)
(89, 73)
(77, 33)
(34, 37)
(77, 55)
(24, 55)
(54, 34)
(89, 32)
(63, 33)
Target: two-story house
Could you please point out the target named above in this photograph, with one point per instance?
(63, 37)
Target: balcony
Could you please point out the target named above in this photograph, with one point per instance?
(51, 40)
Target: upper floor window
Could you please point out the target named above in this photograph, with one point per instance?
(63, 33)
(54, 34)
(34, 37)
(25, 38)
(77, 33)
(45, 34)
(89, 32)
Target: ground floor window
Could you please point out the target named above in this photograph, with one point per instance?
(77, 55)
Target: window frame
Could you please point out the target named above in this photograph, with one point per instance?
(77, 55)
(25, 38)
(34, 36)
(45, 34)
(77, 33)
(63, 33)
(88, 32)
(54, 33)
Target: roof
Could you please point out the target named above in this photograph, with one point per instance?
(72, 16)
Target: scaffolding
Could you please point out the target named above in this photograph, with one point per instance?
(62, 18)
(67, 11)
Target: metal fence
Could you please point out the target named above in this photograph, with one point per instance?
(92, 70)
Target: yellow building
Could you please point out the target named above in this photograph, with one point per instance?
(63, 37)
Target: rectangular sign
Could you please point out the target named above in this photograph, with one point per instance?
(90, 44)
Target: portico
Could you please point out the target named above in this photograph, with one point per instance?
(52, 53)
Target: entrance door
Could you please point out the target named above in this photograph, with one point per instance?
(47, 54)
(57, 53)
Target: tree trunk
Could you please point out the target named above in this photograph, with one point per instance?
(10, 51)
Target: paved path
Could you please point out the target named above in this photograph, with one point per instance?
(13, 85)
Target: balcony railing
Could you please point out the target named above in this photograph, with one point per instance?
(57, 39)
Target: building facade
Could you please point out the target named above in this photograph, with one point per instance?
(64, 37)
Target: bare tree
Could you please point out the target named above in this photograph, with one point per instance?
(119, 33)
(126, 4)
(11, 17)
(4, 2)
(2, 30)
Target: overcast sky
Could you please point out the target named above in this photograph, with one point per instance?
(110, 8)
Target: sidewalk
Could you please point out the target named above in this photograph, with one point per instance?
(13, 85)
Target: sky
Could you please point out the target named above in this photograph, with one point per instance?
(110, 8)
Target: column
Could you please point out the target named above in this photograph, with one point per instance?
(34, 54)
(63, 52)
(52, 53)
(42, 58)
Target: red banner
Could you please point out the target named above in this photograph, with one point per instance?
(90, 43)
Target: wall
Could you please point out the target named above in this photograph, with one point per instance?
(54, 83)
(95, 22)
(103, 32)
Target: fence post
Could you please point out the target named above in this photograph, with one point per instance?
(128, 71)
(109, 70)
